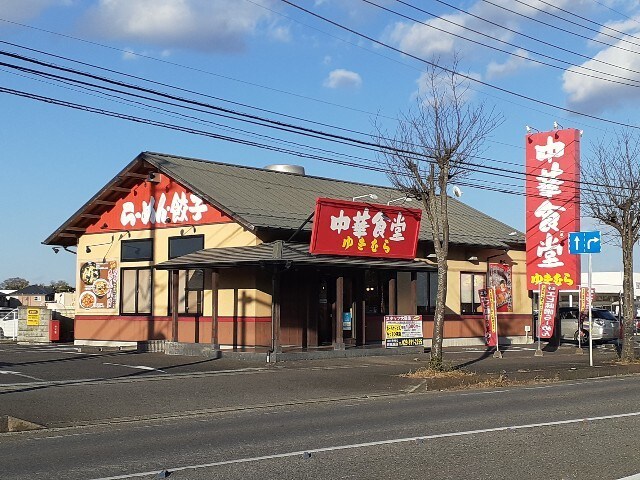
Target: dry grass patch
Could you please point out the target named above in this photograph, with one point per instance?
(432, 373)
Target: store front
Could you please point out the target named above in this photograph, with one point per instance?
(203, 253)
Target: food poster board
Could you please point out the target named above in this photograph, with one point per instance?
(500, 278)
(98, 286)
(403, 331)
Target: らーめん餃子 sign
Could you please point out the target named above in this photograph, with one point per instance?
(553, 208)
(157, 205)
(342, 227)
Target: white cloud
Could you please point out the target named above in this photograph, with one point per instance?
(426, 40)
(592, 95)
(129, 54)
(511, 65)
(209, 25)
(341, 78)
(280, 33)
(18, 10)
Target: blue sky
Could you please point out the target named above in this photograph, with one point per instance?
(266, 54)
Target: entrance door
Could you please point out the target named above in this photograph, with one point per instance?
(326, 300)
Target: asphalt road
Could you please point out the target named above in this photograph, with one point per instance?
(583, 429)
(129, 415)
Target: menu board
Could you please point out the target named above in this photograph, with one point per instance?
(98, 286)
(403, 331)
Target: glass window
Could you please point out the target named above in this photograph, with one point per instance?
(136, 291)
(190, 292)
(376, 292)
(137, 250)
(427, 288)
(470, 283)
(179, 246)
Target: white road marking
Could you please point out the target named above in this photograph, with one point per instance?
(414, 387)
(377, 443)
(139, 367)
(18, 374)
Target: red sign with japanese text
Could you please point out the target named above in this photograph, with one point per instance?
(547, 309)
(341, 227)
(585, 301)
(553, 207)
(490, 315)
(157, 205)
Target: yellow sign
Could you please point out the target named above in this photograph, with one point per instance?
(33, 317)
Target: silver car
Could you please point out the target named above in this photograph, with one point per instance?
(605, 325)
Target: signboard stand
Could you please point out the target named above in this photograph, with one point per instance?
(539, 349)
(590, 318)
(586, 243)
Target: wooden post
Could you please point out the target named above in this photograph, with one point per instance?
(175, 285)
(339, 340)
(275, 312)
(360, 307)
(215, 287)
(414, 293)
(392, 295)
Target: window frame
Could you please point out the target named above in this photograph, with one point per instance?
(137, 288)
(136, 240)
(199, 312)
(474, 306)
(428, 309)
(185, 237)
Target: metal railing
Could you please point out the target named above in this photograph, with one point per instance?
(9, 323)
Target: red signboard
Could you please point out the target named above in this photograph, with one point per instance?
(490, 315)
(553, 207)
(157, 205)
(547, 309)
(585, 304)
(341, 227)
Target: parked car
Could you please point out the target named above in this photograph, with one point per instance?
(605, 325)
(8, 323)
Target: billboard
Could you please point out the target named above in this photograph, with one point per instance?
(500, 278)
(552, 207)
(403, 331)
(341, 227)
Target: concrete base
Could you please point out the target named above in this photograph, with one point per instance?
(111, 344)
(192, 349)
(479, 341)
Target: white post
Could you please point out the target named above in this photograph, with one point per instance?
(590, 319)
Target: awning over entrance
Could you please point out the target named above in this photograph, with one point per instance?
(283, 253)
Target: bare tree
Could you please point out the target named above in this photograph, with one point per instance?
(429, 149)
(610, 194)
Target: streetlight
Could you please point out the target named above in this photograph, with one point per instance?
(372, 196)
(404, 199)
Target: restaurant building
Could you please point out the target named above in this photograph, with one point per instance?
(184, 252)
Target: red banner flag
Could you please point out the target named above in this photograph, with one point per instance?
(547, 310)
(490, 314)
(553, 207)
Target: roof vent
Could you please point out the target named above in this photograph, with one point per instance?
(281, 167)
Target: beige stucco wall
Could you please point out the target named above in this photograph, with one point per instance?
(215, 236)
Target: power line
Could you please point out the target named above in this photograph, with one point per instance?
(579, 24)
(555, 27)
(513, 54)
(459, 74)
(187, 67)
(530, 37)
(497, 171)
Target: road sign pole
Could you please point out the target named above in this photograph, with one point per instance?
(590, 318)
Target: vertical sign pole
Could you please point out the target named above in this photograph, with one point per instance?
(590, 318)
(537, 327)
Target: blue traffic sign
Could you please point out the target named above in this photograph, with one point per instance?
(584, 242)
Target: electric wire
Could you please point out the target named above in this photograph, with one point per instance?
(513, 54)
(459, 74)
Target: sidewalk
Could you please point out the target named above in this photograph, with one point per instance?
(75, 390)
